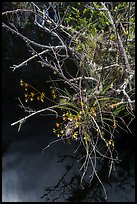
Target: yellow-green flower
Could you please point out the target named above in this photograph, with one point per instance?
(57, 124)
(62, 131)
(70, 117)
(92, 110)
(65, 116)
(26, 85)
(54, 130)
(77, 124)
(113, 106)
(53, 91)
(75, 135)
(42, 96)
(110, 142)
(82, 104)
(42, 100)
(115, 124)
(32, 94)
(78, 117)
(54, 96)
(21, 82)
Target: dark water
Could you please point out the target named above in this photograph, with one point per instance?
(26, 171)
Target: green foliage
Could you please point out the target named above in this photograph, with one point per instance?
(117, 111)
(108, 87)
(88, 19)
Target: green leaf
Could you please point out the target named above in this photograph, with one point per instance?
(67, 108)
(118, 110)
(108, 86)
(101, 99)
(72, 103)
(85, 10)
(108, 119)
(108, 23)
(68, 20)
(75, 9)
(86, 137)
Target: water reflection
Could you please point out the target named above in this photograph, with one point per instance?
(25, 169)
(120, 186)
(29, 176)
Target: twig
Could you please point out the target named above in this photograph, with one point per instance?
(30, 41)
(35, 113)
(29, 59)
(119, 41)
